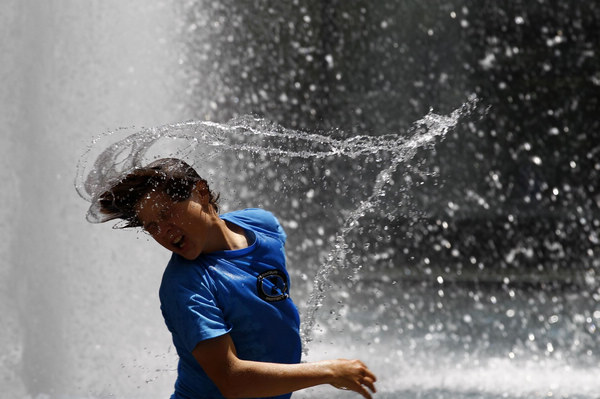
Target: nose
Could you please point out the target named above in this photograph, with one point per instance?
(157, 230)
(163, 229)
(162, 236)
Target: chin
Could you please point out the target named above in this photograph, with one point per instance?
(188, 255)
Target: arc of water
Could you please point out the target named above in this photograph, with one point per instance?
(131, 150)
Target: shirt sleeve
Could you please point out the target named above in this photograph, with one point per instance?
(191, 311)
(280, 232)
(259, 220)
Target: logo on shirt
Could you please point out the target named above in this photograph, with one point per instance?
(272, 286)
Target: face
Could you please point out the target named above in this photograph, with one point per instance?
(181, 227)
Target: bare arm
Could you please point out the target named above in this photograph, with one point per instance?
(237, 378)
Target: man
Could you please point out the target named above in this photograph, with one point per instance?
(225, 292)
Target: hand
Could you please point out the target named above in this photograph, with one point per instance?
(353, 375)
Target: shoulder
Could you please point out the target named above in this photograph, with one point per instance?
(257, 219)
(254, 216)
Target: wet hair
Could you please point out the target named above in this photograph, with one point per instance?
(169, 175)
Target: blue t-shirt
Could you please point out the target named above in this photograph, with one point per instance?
(242, 292)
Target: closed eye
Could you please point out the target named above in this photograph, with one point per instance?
(164, 214)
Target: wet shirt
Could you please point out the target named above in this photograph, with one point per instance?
(242, 292)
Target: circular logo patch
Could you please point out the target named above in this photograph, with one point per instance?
(272, 286)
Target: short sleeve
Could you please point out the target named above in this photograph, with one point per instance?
(191, 311)
(280, 233)
(258, 220)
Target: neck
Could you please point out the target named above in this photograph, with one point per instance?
(226, 236)
(236, 237)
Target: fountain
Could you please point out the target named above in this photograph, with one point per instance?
(475, 275)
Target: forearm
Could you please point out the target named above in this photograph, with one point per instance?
(258, 379)
(237, 378)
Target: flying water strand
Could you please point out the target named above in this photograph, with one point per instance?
(422, 136)
(97, 173)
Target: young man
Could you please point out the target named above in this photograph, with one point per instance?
(225, 292)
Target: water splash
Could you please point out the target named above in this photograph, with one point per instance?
(422, 136)
(200, 142)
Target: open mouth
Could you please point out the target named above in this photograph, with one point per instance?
(178, 242)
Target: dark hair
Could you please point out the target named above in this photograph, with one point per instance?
(170, 175)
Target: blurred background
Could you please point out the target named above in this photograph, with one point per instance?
(477, 276)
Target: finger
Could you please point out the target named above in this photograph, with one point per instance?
(369, 383)
(361, 390)
(369, 373)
